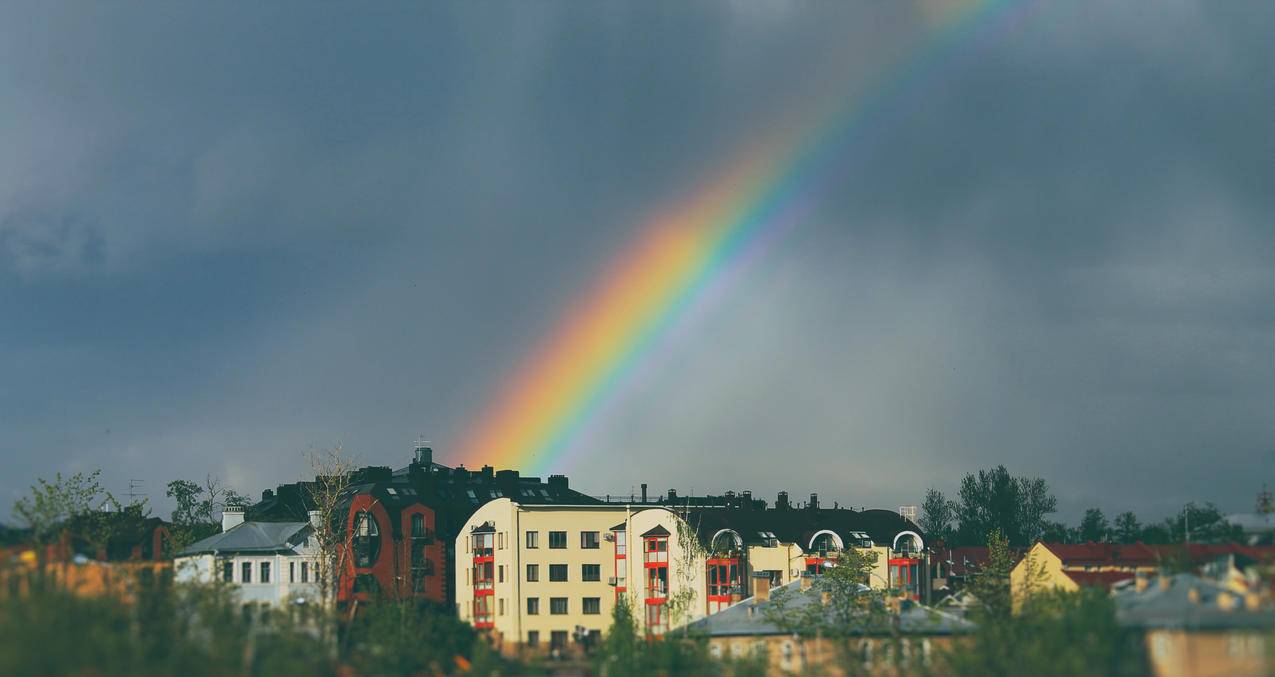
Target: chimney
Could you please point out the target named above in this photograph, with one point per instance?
(643, 491)
(761, 587)
(316, 519)
(489, 473)
(806, 581)
(267, 495)
(672, 495)
(814, 502)
(423, 455)
(558, 481)
(781, 503)
(231, 517)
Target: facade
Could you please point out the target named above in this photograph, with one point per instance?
(548, 576)
(748, 629)
(268, 563)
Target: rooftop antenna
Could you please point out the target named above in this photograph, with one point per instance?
(133, 493)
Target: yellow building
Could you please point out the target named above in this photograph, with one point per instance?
(1071, 566)
(548, 576)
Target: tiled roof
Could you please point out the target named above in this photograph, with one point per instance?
(1133, 554)
(250, 537)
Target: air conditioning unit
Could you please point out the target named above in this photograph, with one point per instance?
(613, 581)
(608, 537)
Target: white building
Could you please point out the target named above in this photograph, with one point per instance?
(267, 562)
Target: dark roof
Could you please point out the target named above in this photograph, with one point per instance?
(252, 537)
(798, 525)
(656, 530)
(484, 528)
(619, 527)
(749, 617)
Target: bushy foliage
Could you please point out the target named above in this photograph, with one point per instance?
(624, 652)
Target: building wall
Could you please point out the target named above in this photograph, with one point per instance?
(1178, 653)
(512, 624)
(392, 568)
(285, 576)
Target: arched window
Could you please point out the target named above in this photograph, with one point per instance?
(367, 540)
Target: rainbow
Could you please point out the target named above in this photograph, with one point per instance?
(687, 254)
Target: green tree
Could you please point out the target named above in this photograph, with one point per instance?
(198, 509)
(937, 514)
(991, 585)
(1128, 529)
(1094, 527)
(993, 499)
(51, 504)
(1202, 524)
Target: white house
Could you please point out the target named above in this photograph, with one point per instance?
(268, 562)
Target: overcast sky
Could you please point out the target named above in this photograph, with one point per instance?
(232, 232)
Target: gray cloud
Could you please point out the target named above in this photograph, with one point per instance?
(231, 233)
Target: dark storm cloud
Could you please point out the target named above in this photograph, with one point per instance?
(228, 233)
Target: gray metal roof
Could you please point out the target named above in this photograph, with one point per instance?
(250, 537)
(1171, 606)
(750, 618)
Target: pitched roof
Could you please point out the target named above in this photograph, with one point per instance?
(750, 617)
(1171, 606)
(250, 537)
(656, 530)
(1133, 554)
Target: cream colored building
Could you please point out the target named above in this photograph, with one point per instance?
(548, 576)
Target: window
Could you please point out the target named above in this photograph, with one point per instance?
(533, 540)
(367, 540)
(589, 540)
(557, 539)
(533, 573)
(292, 572)
(419, 529)
(500, 539)
(482, 545)
(558, 639)
(590, 572)
(592, 605)
(419, 576)
(557, 606)
(502, 606)
(245, 572)
(483, 575)
(482, 611)
(656, 549)
(305, 572)
(228, 571)
(621, 544)
(501, 571)
(558, 573)
(533, 637)
(533, 606)
(265, 572)
(657, 582)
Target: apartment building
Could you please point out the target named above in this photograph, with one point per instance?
(539, 576)
(548, 576)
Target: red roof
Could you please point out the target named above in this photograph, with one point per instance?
(1134, 554)
(969, 559)
(1098, 579)
(1139, 554)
